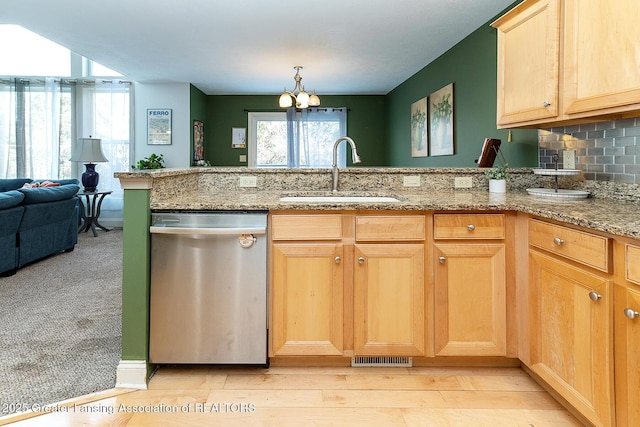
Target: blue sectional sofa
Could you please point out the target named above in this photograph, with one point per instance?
(36, 222)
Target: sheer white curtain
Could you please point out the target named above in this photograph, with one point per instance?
(35, 128)
(311, 134)
(103, 110)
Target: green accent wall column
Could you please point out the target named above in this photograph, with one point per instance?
(136, 251)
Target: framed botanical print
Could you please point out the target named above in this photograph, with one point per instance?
(419, 143)
(441, 122)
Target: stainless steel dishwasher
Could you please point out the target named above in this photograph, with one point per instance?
(208, 288)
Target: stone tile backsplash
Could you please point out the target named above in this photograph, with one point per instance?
(605, 151)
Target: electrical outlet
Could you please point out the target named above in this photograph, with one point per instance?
(411, 181)
(569, 159)
(247, 181)
(463, 182)
(243, 158)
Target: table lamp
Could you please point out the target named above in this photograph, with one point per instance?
(90, 152)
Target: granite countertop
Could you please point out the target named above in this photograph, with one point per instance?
(615, 217)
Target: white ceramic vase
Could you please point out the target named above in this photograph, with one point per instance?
(497, 186)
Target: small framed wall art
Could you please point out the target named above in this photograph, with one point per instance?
(441, 121)
(419, 143)
(198, 141)
(159, 126)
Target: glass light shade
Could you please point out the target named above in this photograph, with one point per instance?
(302, 100)
(314, 100)
(89, 150)
(285, 101)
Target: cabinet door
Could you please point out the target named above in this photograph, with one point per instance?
(528, 55)
(571, 334)
(601, 55)
(307, 299)
(389, 300)
(627, 351)
(470, 300)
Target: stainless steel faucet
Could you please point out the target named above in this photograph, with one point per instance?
(354, 155)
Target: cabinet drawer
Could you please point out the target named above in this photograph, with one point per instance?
(633, 264)
(580, 246)
(389, 228)
(306, 227)
(468, 226)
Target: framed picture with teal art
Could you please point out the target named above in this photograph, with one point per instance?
(419, 147)
(198, 141)
(441, 122)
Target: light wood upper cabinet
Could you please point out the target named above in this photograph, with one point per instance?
(528, 55)
(568, 61)
(601, 56)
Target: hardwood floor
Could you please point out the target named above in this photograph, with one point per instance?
(336, 396)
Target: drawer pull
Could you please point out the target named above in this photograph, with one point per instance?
(361, 260)
(558, 241)
(545, 104)
(631, 314)
(471, 227)
(338, 259)
(442, 260)
(594, 296)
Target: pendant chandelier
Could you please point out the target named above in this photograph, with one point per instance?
(302, 98)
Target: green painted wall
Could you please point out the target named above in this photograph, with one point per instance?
(198, 105)
(135, 275)
(366, 124)
(471, 66)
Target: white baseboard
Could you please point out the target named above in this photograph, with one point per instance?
(132, 374)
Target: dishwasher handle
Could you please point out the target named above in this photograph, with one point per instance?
(207, 230)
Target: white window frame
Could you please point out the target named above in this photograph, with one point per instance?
(252, 137)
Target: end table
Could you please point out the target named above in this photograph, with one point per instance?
(90, 210)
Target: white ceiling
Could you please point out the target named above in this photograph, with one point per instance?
(250, 46)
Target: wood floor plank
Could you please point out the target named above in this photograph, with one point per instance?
(336, 396)
(285, 381)
(403, 382)
(435, 417)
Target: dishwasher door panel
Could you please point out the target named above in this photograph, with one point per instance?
(208, 299)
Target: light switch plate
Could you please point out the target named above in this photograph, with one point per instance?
(247, 181)
(243, 158)
(463, 182)
(569, 159)
(411, 181)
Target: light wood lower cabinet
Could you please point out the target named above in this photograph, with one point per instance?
(470, 299)
(571, 332)
(627, 355)
(470, 284)
(389, 317)
(307, 299)
(345, 284)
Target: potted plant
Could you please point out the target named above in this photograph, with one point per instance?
(154, 161)
(498, 176)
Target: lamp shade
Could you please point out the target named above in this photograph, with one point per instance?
(88, 150)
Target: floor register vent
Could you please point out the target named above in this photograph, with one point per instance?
(395, 362)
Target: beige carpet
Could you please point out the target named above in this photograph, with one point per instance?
(60, 324)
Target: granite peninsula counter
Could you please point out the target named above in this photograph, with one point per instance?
(614, 208)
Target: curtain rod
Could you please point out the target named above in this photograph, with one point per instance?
(258, 110)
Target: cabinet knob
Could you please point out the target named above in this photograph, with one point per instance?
(442, 260)
(630, 313)
(471, 227)
(338, 259)
(594, 296)
(558, 241)
(545, 104)
(361, 260)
